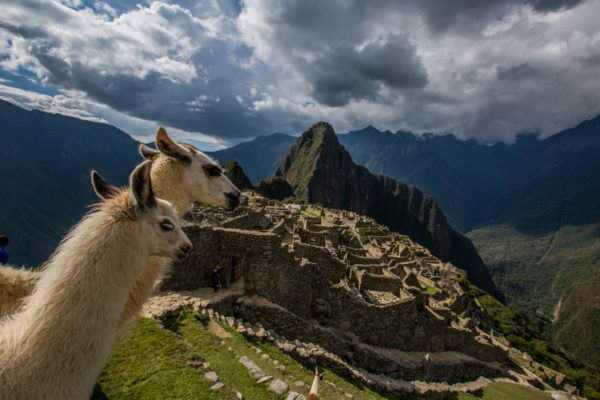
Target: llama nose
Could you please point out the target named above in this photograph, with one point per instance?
(234, 199)
(185, 248)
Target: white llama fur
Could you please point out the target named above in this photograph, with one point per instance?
(181, 175)
(15, 284)
(55, 346)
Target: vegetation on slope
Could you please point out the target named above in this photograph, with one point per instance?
(577, 326)
(234, 171)
(536, 273)
(516, 329)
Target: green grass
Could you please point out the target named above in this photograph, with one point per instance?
(224, 363)
(372, 232)
(153, 364)
(507, 391)
(432, 290)
(311, 214)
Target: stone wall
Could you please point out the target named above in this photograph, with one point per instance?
(380, 283)
(251, 220)
(344, 345)
(356, 259)
(267, 269)
(194, 271)
(315, 238)
(332, 269)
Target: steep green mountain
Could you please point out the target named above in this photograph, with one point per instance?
(578, 322)
(541, 235)
(275, 188)
(320, 170)
(45, 163)
(235, 173)
(260, 156)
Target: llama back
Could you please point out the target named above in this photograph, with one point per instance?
(15, 284)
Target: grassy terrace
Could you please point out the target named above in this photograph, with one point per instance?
(311, 214)
(505, 391)
(157, 362)
(154, 363)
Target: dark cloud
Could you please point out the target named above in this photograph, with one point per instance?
(345, 73)
(554, 5)
(518, 73)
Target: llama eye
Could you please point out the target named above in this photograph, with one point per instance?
(214, 171)
(167, 226)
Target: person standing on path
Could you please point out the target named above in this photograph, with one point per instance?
(215, 277)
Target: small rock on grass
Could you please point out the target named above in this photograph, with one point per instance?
(211, 376)
(217, 386)
(299, 384)
(239, 395)
(264, 379)
(278, 386)
(295, 396)
(195, 364)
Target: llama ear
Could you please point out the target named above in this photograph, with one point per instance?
(169, 148)
(141, 186)
(103, 189)
(148, 153)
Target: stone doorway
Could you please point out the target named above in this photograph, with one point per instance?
(233, 270)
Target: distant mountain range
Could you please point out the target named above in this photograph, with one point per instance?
(45, 186)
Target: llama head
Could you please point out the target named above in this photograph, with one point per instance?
(191, 171)
(159, 221)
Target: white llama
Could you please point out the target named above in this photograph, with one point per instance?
(55, 346)
(181, 174)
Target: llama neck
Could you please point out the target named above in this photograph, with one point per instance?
(72, 317)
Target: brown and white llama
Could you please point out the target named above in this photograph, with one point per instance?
(55, 346)
(313, 394)
(182, 175)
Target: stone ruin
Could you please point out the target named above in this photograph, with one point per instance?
(371, 297)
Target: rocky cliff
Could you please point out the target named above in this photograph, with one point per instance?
(321, 171)
(235, 173)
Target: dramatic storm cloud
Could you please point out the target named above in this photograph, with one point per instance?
(220, 71)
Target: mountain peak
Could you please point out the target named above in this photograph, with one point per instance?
(313, 148)
(321, 171)
(321, 132)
